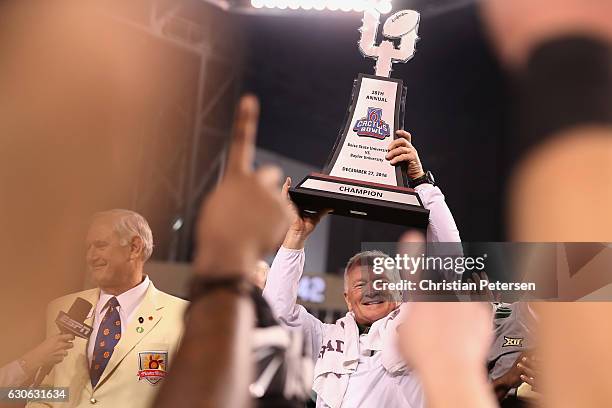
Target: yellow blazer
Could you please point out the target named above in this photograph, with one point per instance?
(130, 379)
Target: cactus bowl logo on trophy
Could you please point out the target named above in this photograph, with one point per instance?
(357, 180)
(372, 125)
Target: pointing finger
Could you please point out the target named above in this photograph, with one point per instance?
(242, 146)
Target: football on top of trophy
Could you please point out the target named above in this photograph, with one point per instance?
(401, 23)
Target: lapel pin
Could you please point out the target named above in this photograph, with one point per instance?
(140, 319)
(139, 329)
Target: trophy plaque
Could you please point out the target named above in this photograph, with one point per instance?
(357, 180)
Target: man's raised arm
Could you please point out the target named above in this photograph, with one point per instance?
(281, 288)
(442, 227)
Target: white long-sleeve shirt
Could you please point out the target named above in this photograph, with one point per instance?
(370, 385)
(442, 227)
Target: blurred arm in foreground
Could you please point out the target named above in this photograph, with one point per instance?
(561, 53)
(453, 372)
(562, 185)
(213, 367)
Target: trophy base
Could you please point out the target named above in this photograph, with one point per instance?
(358, 199)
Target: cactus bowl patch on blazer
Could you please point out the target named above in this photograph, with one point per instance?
(152, 366)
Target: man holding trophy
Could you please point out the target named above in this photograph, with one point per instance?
(357, 180)
(357, 363)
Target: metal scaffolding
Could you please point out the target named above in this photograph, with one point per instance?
(191, 161)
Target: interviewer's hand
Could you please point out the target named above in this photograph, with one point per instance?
(401, 150)
(302, 224)
(244, 218)
(51, 351)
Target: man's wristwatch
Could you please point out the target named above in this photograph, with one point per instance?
(425, 178)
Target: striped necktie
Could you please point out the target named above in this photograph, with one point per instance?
(108, 336)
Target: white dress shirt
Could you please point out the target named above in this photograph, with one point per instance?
(128, 303)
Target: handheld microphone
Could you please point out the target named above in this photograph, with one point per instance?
(72, 322)
(69, 323)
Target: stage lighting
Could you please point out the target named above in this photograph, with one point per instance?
(319, 4)
(346, 5)
(333, 5)
(306, 4)
(383, 6)
(359, 5)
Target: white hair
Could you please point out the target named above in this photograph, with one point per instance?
(129, 224)
(365, 258)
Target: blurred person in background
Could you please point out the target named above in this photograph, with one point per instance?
(511, 360)
(21, 372)
(136, 327)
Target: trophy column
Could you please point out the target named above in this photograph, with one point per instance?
(357, 180)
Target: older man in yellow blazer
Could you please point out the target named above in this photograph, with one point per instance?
(136, 327)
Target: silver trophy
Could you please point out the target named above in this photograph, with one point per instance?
(357, 181)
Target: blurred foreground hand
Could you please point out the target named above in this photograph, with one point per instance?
(447, 343)
(516, 27)
(244, 218)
